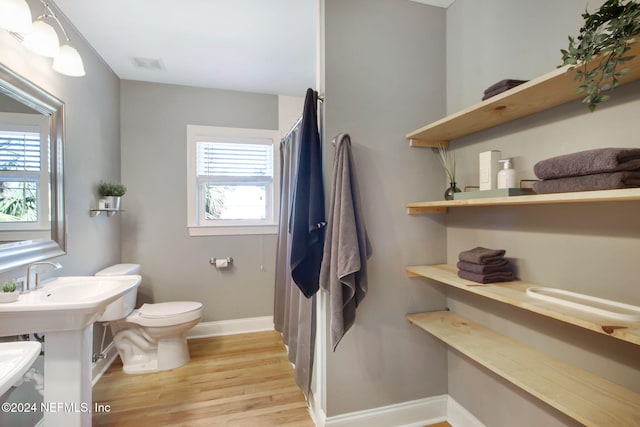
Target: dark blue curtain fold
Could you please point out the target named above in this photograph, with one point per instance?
(307, 223)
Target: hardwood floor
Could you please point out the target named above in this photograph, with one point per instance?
(235, 380)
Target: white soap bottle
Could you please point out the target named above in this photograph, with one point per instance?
(507, 175)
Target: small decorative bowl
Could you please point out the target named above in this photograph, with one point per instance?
(9, 296)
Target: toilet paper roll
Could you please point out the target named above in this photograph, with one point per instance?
(222, 263)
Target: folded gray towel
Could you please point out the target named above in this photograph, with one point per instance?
(487, 278)
(480, 255)
(600, 181)
(506, 83)
(503, 265)
(498, 90)
(589, 162)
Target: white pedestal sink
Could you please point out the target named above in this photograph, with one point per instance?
(65, 309)
(15, 360)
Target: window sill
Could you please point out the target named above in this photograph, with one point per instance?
(195, 231)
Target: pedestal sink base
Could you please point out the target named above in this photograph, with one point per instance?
(67, 378)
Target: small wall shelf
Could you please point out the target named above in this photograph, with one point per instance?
(514, 293)
(549, 90)
(441, 206)
(109, 212)
(587, 398)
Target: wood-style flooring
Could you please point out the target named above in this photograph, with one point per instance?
(235, 380)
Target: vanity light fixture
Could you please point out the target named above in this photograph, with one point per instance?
(41, 37)
(15, 16)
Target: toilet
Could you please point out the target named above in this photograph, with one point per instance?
(151, 338)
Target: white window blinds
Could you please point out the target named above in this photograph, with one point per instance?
(20, 151)
(240, 160)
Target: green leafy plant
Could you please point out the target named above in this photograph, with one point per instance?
(109, 188)
(608, 34)
(448, 161)
(10, 286)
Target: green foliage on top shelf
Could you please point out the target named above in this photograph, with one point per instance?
(609, 31)
(110, 188)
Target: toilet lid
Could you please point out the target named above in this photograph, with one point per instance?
(168, 309)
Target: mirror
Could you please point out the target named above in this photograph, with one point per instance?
(19, 246)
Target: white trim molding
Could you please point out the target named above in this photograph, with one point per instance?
(458, 416)
(415, 413)
(100, 367)
(230, 327)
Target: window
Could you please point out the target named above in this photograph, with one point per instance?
(24, 172)
(232, 180)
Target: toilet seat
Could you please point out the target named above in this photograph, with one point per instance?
(166, 313)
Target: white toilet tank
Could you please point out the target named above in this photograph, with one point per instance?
(120, 270)
(123, 306)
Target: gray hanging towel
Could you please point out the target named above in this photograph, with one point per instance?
(307, 221)
(347, 247)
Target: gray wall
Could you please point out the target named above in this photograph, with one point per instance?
(175, 266)
(92, 149)
(385, 69)
(92, 154)
(587, 248)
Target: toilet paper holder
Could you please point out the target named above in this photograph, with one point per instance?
(221, 262)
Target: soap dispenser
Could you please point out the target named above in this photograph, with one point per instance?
(507, 175)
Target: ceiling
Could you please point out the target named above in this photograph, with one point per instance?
(263, 46)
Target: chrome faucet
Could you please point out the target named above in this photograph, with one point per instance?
(55, 265)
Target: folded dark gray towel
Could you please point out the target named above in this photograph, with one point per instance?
(503, 265)
(487, 278)
(506, 83)
(600, 181)
(480, 255)
(589, 162)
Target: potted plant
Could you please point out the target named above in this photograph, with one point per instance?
(607, 33)
(9, 292)
(110, 193)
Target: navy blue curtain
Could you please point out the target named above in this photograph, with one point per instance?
(307, 224)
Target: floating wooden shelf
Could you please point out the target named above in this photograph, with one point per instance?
(587, 398)
(514, 293)
(550, 90)
(441, 206)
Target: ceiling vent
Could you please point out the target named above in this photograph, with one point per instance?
(152, 64)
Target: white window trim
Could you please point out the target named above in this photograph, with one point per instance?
(197, 134)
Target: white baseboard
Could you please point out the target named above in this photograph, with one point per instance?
(458, 416)
(406, 414)
(100, 367)
(230, 327)
(414, 413)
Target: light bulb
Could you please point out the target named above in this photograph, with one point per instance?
(68, 62)
(42, 40)
(15, 16)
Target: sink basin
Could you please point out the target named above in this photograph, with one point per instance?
(64, 303)
(15, 360)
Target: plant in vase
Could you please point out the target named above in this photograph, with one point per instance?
(448, 161)
(110, 193)
(9, 292)
(607, 33)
